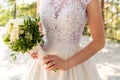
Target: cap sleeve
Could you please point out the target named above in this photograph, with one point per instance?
(86, 2)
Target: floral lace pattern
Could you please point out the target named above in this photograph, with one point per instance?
(63, 20)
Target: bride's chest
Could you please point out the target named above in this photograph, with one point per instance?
(65, 12)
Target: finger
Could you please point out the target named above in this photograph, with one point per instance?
(52, 68)
(40, 24)
(34, 54)
(34, 57)
(40, 27)
(50, 64)
(49, 58)
(46, 61)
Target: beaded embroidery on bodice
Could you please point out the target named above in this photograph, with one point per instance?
(63, 20)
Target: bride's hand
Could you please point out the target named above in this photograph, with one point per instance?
(34, 55)
(54, 62)
(40, 27)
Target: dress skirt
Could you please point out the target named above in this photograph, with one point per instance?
(84, 71)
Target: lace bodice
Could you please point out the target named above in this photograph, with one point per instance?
(63, 20)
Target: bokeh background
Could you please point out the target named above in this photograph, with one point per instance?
(107, 60)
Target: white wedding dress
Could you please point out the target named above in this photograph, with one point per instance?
(63, 22)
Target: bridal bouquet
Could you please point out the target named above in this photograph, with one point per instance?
(22, 34)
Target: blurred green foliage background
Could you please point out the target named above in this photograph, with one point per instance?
(11, 9)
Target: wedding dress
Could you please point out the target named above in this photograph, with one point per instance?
(63, 22)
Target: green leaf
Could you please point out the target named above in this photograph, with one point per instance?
(21, 25)
(6, 38)
(12, 55)
(14, 58)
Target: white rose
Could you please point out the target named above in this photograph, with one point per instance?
(19, 21)
(28, 36)
(16, 30)
(14, 33)
(21, 31)
(9, 26)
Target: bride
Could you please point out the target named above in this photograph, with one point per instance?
(63, 22)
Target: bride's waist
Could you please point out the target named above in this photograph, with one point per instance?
(56, 45)
(63, 50)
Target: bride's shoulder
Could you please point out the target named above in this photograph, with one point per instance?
(92, 2)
